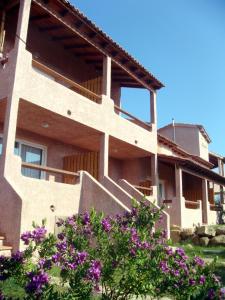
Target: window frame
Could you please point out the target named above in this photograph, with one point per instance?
(34, 145)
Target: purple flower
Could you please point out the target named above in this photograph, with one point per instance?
(61, 236)
(1, 296)
(56, 257)
(72, 266)
(211, 294)
(133, 212)
(106, 225)
(134, 235)
(81, 257)
(18, 256)
(38, 234)
(180, 252)
(60, 222)
(133, 252)
(198, 261)
(86, 218)
(163, 266)
(94, 272)
(26, 237)
(222, 293)
(169, 251)
(202, 279)
(70, 221)
(175, 272)
(45, 264)
(61, 246)
(192, 281)
(37, 281)
(145, 245)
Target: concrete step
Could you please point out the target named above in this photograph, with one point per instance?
(5, 251)
(2, 240)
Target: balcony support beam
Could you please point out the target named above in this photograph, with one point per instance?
(153, 111)
(106, 80)
(104, 156)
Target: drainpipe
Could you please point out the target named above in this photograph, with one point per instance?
(174, 133)
(2, 34)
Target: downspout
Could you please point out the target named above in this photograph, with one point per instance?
(2, 34)
(174, 132)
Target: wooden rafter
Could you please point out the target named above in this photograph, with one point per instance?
(62, 38)
(76, 46)
(39, 17)
(51, 28)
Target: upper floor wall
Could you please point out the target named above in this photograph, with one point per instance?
(190, 137)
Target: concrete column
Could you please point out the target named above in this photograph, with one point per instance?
(153, 111)
(104, 156)
(205, 201)
(17, 58)
(154, 176)
(106, 80)
(23, 21)
(180, 205)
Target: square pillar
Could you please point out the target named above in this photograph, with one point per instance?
(153, 111)
(106, 80)
(104, 156)
(10, 122)
(180, 204)
(205, 202)
(154, 176)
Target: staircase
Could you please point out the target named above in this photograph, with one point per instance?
(4, 250)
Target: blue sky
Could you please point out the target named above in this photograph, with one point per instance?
(182, 42)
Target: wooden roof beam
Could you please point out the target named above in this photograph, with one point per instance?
(64, 12)
(76, 46)
(51, 28)
(39, 17)
(86, 54)
(93, 61)
(63, 38)
(78, 24)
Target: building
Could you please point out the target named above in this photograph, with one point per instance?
(66, 144)
(188, 185)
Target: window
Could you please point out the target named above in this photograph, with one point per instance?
(29, 153)
(0, 145)
(161, 191)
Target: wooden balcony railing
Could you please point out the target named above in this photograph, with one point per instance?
(49, 170)
(66, 81)
(133, 118)
(192, 204)
(147, 191)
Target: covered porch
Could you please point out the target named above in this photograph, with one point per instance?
(188, 191)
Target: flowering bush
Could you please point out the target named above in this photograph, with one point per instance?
(115, 257)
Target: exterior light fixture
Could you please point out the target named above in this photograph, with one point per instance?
(44, 125)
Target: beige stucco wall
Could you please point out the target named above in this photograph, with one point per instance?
(189, 138)
(203, 147)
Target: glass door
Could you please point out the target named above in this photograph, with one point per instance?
(31, 155)
(28, 154)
